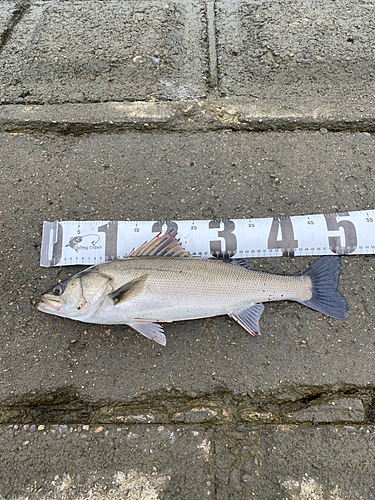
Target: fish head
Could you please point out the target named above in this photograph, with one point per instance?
(78, 297)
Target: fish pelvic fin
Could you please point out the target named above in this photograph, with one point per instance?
(128, 290)
(326, 298)
(149, 329)
(249, 318)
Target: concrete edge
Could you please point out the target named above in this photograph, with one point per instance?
(307, 404)
(199, 115)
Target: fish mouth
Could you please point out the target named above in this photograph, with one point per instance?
(48, 304)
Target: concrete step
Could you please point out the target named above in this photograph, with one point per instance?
(186, 462)
(163, 176)
(89, 51)
(237, 114)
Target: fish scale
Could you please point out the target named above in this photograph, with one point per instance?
(183, 283)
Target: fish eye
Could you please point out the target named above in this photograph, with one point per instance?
(58, 289)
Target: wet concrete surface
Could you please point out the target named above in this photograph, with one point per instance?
(211, 373)
(109, 462)
(296, 463)
(102, 51)
(156, 176)
(6, 13)
(90, 51)
(186, 462)
(301, 49)
(228, 110)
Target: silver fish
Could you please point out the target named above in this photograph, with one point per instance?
(161, 282)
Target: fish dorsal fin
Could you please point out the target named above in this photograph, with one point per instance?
(149, 329)
(160, 246)
(248, 318)
(244, 263)
(128, 290)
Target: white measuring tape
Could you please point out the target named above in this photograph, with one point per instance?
(69, 243)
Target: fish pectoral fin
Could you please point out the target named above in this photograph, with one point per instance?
(127, 291)
(248, 318)
(149, 329)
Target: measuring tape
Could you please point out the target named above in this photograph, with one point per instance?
(69, 243)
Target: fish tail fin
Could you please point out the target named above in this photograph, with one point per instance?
(326, 298)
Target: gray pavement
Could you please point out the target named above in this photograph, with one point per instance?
(190, 462)
(111, 51)
(178, 110)
(91, 51)
(295, 50)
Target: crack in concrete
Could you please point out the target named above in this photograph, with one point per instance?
(323, 405)
(20, 10)
(211, 30)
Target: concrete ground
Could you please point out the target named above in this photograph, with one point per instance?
(147, 110)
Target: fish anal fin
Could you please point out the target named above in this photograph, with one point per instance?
(160, 246)
(128, 290)
(149, 329)
(249, 318)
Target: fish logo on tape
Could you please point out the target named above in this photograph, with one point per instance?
(92, 242)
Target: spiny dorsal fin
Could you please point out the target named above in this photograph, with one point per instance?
(128, 290)
(160, 246)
